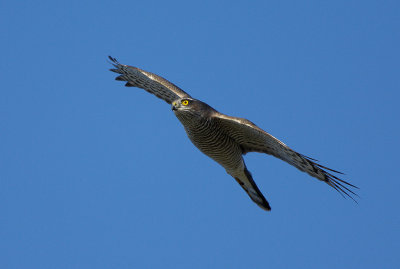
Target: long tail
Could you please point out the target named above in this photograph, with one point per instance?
(249, 186)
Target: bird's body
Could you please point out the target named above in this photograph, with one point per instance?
(223, 138)
(206, 134)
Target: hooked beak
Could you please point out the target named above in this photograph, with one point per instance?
(174, 104)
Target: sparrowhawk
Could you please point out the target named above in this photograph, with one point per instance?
(226, 139)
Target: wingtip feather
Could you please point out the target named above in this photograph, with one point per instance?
(121, 78)
(114, 60)
(128, 84)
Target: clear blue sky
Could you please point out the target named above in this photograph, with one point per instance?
(97, 175)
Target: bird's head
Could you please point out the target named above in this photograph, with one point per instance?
(191, 107)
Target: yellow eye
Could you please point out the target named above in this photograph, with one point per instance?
(185, 102)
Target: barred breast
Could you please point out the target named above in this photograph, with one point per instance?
(207, 136)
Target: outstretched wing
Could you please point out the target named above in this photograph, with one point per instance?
(150, 82)
(253, 139)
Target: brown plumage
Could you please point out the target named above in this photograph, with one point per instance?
(226, 139)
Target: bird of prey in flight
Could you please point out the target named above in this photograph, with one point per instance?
(226, 139)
